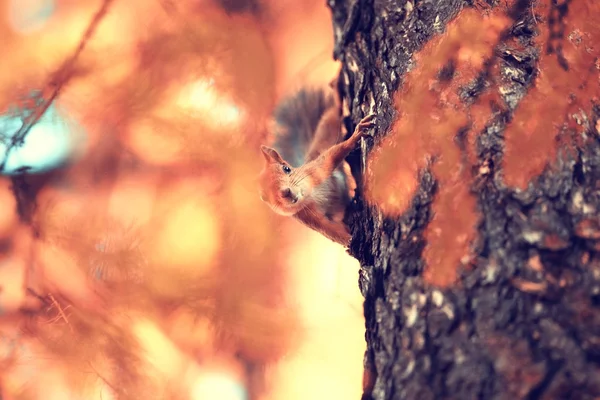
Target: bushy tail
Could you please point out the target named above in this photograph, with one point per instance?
(296, 120)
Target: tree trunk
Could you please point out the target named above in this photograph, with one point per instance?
(477, 224)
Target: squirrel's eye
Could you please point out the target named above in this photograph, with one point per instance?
(287, 169)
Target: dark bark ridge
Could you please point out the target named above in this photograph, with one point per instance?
(506, 329)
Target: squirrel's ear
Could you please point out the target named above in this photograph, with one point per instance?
(333, 83)
(271, 155)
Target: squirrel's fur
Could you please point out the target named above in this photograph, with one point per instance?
(303, 174)
(296, 119)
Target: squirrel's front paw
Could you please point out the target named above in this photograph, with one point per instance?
(364, 126)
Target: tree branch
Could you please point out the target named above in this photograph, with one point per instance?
(53, 88)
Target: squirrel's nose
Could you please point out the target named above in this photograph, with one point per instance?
(287, 194)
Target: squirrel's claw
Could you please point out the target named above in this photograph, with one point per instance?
(369, 119)
(366, 124)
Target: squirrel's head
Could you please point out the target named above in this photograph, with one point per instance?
(282, 187)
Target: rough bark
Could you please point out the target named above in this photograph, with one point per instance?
(522, 319)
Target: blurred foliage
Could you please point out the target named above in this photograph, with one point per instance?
(430, 105)
(158, 217)
(567, 84)
(437, 128)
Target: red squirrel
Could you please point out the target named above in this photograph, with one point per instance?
(303, 174)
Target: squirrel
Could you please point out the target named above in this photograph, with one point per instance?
(303, 174)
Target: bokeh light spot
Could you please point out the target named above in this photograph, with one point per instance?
(153, 146)
(28, 16)
(190, 236)
(49, 143)
(12, 296)
(8, 211)
(203, 98)
(218, 386)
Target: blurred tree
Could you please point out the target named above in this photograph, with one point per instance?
(478, 227)
(131, 269)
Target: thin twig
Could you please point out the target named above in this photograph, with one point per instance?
(56, 83)
(55, 319)
(60, 311)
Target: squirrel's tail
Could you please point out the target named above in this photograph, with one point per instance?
(296, 119)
